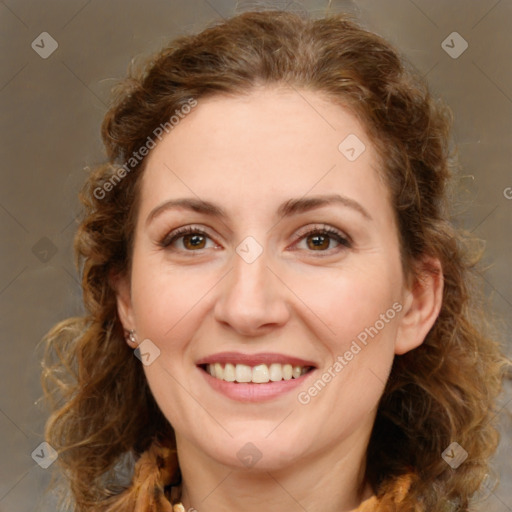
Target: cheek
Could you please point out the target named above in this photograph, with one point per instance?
(360, 312)
(167, 300)
(347, 302)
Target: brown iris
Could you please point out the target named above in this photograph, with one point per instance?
(194, 241)
(316, 242)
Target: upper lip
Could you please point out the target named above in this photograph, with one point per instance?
(253, 359)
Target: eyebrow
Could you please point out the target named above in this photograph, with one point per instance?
(287, 209)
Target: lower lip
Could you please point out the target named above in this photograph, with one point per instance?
(251, 392)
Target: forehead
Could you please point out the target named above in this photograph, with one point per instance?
(273, 142)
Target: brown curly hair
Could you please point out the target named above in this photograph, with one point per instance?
(443, 391)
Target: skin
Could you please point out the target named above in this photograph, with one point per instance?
(249, 154)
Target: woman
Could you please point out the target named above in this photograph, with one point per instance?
(270, 239)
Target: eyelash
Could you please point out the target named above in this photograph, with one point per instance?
(333, 234)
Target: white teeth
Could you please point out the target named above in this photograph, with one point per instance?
(297, 370)
(219, 372)
(275, 371)
(259, 374)
(229, 372)
(243, 373)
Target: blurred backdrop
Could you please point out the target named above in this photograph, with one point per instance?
(59, 60)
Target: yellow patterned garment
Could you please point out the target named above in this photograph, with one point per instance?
(157, 467)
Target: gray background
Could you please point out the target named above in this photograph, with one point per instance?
(51, 112)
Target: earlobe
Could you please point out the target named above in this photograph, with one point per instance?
(121, 285)
(421, 306)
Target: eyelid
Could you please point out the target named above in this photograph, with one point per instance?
(182, 231)
(322, 228)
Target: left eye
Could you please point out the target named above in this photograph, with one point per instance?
(322, 239)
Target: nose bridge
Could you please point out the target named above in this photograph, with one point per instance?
(251, 296)
(250, 275)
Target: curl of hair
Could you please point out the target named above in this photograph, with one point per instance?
(443, 391)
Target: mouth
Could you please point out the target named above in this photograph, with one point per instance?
(254, 377)
(257, 374)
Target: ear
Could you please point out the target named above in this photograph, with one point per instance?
(121, 285)
(422, 304)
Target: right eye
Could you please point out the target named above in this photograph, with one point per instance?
(187, 239)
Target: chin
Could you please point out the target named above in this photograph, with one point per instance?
(258, 452)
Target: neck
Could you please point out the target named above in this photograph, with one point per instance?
(332, 481)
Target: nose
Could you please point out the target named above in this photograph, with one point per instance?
(252, 299)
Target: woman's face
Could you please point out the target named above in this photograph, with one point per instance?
(266, 251)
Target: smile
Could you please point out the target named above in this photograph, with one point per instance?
(254, 377)
(258, 374)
